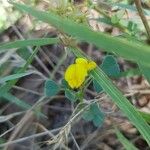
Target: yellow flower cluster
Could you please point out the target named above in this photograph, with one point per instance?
(76, 73)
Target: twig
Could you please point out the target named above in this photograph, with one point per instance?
(142, 16)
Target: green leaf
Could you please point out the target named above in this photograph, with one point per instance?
(129, 50)
(110, 66)
(125, 142)
(6, 87)
(29, 42)
(97, 87)
(132, 26)
(64, 84)
(14, 76)
(87, 115)
(71, 95)
(13, 99)
(94, 114)
(130, 73)
(2, 140)
(118, 98)
(98, 121)
(51, 88)
(114, 19)
(122, 103)
(23, 53)
(16, 101)
(98, 116)
(105, 20)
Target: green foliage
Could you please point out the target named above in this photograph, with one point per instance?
(14, 76)
(123, 103)
(130, 73)
(9, 97)
(71, 95)
(146, 116)
(146, 71)
(97, 87)
(6, 87)
(20, 103)
(51, 88)
(117, 17)
(23, 52)
(94, 114)
(125, 142)
(110, 67)
(132, 27)
(118, 98)
(64, 84)
(29, 42)
(105, 20)
(2, 140)
(129, 50)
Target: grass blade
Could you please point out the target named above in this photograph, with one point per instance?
(16, 101)
(125, 142)
(127, 49)
(13, 99)
(15, 76)
(122, 103)
(6, 87)
(29, 42)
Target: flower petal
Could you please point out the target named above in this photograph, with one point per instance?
(75, 75)
(91, 65)
(81, 61)
(69, 74)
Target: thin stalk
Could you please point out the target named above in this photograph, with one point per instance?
(142, 16)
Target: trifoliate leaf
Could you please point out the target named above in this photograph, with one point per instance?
(97, 87)
(51, 88)
(98, 116)
(87, 115)
(64, 84)
(110, 66)
(71, 95)
(94, 114)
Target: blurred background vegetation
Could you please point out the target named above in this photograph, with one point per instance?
(20, 128)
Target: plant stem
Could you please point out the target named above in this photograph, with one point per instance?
(142, 16)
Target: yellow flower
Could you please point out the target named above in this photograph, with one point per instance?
(76, 73)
